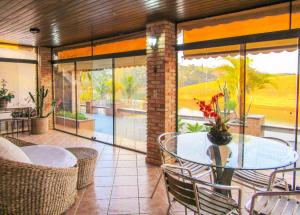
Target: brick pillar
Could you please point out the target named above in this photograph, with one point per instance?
(45, 77)
(161, 86)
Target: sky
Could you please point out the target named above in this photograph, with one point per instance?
(275, 63)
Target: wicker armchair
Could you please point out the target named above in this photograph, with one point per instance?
(27, 189)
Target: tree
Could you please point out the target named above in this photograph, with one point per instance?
(231, 77)
(86, 86)
(254, 79)
(129, 86)
(102, 85)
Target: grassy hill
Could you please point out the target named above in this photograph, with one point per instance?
(277, 102)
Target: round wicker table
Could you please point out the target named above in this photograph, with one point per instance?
(87, 158)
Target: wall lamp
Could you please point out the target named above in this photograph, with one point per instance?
(153, 42)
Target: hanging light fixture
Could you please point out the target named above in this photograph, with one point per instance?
(34, 30)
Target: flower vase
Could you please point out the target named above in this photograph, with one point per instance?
(220, 137)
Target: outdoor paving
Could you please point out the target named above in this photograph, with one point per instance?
(123, 180)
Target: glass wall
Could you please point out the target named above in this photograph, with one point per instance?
(261, 79)
(65, 90)
(91, 89)
(95, 107)
(130, 102)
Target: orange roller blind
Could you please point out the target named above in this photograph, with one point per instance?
(234, 50)
(76, 52)
(261, 20)
(120, 46)
(104, 48)
(238, 28)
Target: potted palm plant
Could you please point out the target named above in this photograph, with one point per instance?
(39, 123)
(5, 95)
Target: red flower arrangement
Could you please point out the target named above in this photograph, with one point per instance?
(218, 132)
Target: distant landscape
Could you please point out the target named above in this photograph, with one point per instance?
(276, 99)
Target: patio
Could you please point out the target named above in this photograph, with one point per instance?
(123, 180)
(101, 99)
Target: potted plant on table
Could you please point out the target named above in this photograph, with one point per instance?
(39, 124)
(5, 95)
(218, 129)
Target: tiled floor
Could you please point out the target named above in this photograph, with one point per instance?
(123, 181)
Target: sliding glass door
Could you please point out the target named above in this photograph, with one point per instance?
(130, 102)
(104, 100)
(261, 79)
(64, 85)
(95, 100)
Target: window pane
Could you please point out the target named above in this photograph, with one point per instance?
(65, 117)
(271, 76)
(20, 79)
(94, 90)
(130, 102)
(203, 73)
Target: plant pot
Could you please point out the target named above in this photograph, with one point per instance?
(219, 138)
(39, 125)
(3, 103)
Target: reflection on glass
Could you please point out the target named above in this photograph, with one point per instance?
(20, 79)
(95, 112)
(203, 73)
(130, 102)
(65, 117)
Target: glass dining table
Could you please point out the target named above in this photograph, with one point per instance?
(244, 152)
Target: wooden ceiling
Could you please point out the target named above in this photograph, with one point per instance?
(69, 21)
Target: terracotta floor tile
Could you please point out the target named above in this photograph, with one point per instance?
(126, 152)
(125, 157)
(103, 181)
(105, 171)
(126, 164)
(97, 193)
(126, 171)
(148, 180)
(125, 192)
(155, 206)
(148, 170)
(93, 207)
(107, 164)
(124, 206)
(125, 181)
(108, 157)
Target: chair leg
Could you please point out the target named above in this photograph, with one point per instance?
(156, 185)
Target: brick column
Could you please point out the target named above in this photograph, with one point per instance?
(45, 77)
(161, 86)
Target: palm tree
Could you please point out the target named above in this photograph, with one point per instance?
(254, 79)
(129, 86)
(231, 77)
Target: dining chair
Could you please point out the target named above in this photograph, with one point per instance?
(259, 181)
(167, 157)
(196, 195)
(275, 202)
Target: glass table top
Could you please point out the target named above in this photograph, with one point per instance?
(255, 153)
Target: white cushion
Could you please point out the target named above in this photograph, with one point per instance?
(10, 151)
(50, 156)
